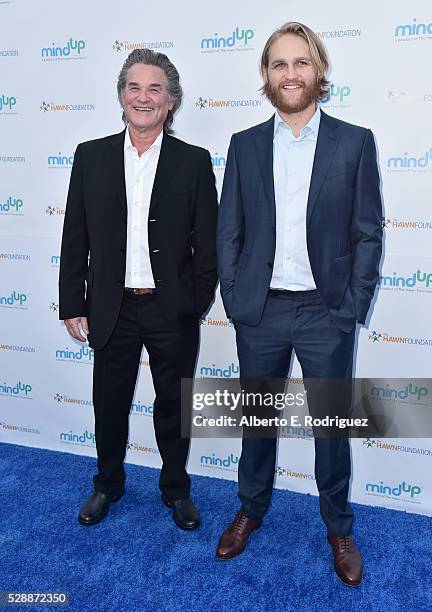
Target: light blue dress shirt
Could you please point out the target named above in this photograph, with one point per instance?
(292, 169)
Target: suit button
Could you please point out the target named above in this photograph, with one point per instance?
(122, 250)
(269, 263)
(120, 282)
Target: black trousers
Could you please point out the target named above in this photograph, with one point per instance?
(299, 321)
(172, 356)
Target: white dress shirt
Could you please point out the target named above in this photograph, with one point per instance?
(139, 176)
(292, 169)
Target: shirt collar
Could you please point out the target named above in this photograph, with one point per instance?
(128, 143)
(311, 127)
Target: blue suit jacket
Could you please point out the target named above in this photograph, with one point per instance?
(343, 225)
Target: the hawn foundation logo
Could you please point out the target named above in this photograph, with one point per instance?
(83, 355)
(12, 159)
(396, 97)
(284, 472)
(19, 390)
(383, 445)
(406, 224)
(62, 398)
(204, 103)
(225, 463)
(410, 163)
(8, 104)
(86, 438)
(13, 205)
(238, 39)
(55, 211)
(139, 448)
(403, 491)
(46, 107)
(18, 428)
(385, 338)
(141, 409)
(71, 49)
(414, 31)
(216, 323)
(337, 96)
(340, 33)
(416, 281)
(9, 53)
(129, 46)
(19, 348)
(5, 256)
(230, 370)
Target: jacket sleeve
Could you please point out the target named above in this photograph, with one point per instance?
(204, 237)
(366, 229)
(230, 232)
(74, 248)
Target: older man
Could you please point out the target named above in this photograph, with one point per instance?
(299, 243)
(138, 267)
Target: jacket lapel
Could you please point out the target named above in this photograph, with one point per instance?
(168, 161)
(326, 146)
(115, 168)
(264, 149)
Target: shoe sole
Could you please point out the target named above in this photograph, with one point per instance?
(233, 556)
(169, 505)
(91, 523)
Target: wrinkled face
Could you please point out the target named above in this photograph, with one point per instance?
(145, 99)
(290, 79)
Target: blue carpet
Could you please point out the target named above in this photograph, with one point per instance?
(136, 559)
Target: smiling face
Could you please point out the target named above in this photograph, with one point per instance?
(290, 78)
(145, 98)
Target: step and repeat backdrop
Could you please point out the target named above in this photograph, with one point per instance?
(58, 87)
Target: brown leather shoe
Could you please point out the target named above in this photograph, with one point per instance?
(348, 563)
(234, 539)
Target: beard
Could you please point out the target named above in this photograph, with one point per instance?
(310, 94)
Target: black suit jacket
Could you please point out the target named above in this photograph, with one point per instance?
(181, 234)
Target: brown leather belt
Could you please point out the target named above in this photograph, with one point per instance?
(139, 291)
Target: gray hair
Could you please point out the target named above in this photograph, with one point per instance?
(153, 58)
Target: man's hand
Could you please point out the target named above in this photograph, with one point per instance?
(78, 328)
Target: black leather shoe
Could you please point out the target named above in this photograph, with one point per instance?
(96, 508)
(185, 515)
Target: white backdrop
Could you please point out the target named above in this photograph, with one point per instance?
(58, 71)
